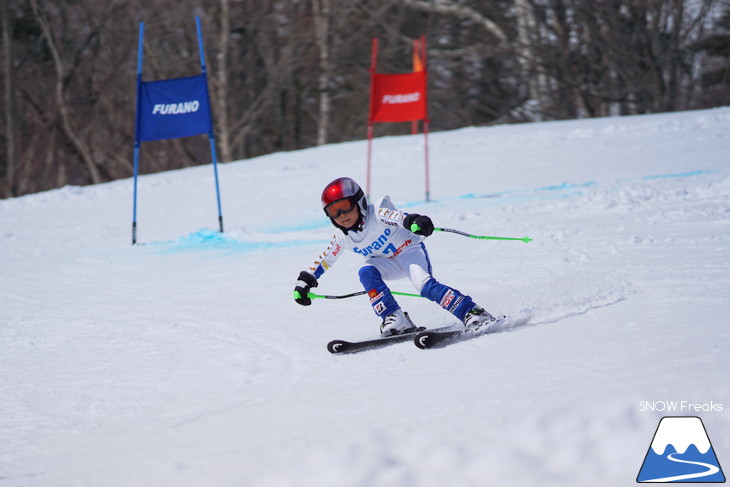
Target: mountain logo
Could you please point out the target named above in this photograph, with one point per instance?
(680, 452)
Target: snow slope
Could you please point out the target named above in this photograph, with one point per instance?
(184, 361)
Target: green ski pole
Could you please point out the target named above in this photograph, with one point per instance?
(297, 295)
(415, 228)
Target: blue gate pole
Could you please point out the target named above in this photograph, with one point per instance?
(136, 131)
(211, 135)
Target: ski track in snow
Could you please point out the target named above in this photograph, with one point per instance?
(711, 470)
(579, 307)
(184, 361)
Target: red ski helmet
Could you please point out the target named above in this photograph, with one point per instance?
(345, 188)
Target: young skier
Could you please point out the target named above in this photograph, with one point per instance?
(382, 235)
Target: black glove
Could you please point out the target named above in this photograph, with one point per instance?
(418, 224)
(305, 282)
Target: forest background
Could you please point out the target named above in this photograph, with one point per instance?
(290, 74)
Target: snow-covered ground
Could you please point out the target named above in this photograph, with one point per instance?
(184, 361)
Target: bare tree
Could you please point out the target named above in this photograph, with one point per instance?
(9, 102)
(221, 93)
(286, 75)
(463, 10)
(533, 71)
(62, 105)
(714, 45)
(321, 16)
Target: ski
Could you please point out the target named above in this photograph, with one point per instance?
(343, 346)
(431, 338)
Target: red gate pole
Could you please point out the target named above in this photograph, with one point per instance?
(425, 138)
(370, 152)
(416, 67)
(426, 121)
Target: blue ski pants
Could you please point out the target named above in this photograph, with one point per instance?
(415, 265)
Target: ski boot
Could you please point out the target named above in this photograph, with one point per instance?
(478, 317)
(396, 323)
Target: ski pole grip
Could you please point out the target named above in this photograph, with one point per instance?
(415, 227)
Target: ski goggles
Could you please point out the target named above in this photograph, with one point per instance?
(340, 207)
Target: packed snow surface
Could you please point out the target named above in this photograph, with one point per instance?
(184, 361)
